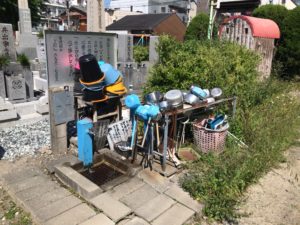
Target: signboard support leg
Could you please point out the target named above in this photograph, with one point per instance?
(58, 132)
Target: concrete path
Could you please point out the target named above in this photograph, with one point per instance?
(147, 198)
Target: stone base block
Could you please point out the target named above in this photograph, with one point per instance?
(8, 115)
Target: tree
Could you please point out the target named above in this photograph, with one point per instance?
(273, 12)
(197, 29)
(289, 52)
(9, 12)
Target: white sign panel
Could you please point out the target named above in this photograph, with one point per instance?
(63, 50)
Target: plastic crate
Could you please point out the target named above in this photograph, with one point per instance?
(208, 140)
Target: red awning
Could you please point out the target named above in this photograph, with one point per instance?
(264, 28)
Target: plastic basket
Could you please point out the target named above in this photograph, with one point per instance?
(209, 140)
(118, 132)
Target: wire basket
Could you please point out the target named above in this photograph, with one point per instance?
(118, 132)
(208, 140)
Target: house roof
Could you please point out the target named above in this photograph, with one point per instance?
(264, 28)
(139, 22)
(73, 8)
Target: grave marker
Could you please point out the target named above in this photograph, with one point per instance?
(7, 41)
(125, 48)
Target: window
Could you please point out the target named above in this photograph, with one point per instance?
(283, 2)
(163, 9)
(246, 30)
(154, 11)
(227, 30)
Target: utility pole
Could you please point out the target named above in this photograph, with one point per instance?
(68, 13)
(213, 4)
(210, 24)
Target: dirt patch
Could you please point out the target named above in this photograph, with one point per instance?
(275, 199)
(10, 214)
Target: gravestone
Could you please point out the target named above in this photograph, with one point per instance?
(28, 83)
(153, 55)
(27, 41)
(16, 88)
(95, 16)
(125, 48)
(7, 41)
(2, 85)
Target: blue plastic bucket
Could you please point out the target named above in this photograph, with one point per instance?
(111, 74)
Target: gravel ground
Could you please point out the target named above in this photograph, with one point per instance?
(24, 140)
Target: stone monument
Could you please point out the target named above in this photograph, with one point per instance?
(16, 88)
(153, 55)
(125, 48)
(27, 41)
(2, 85)
(95, 16)
(7, 41)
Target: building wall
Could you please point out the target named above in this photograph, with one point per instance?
(172, 26)
(287, 3)
(124, 5)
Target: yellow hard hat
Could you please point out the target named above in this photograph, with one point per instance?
(117, 88)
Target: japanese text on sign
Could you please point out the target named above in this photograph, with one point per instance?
(63, 50)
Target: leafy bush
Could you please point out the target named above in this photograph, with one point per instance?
(269, 128)
(4, 61)
(274, 12)
(208, 64)
(198, 28)
(23, 59)
(40, 35)
(140, 53)
(266, 118)
(289, 51)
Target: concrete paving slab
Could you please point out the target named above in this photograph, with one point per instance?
(137, 221)
(113, 208)
(176, 215)
(19, 175)
(139, 197)
(99, 219)
(155, 180)
(47, 198)
(28, 183)
(153, 208)
(126, 188)
(36, 191)
(183, 197)
(55, 208)
(73, 216)
(77, 182)
(170, 169)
